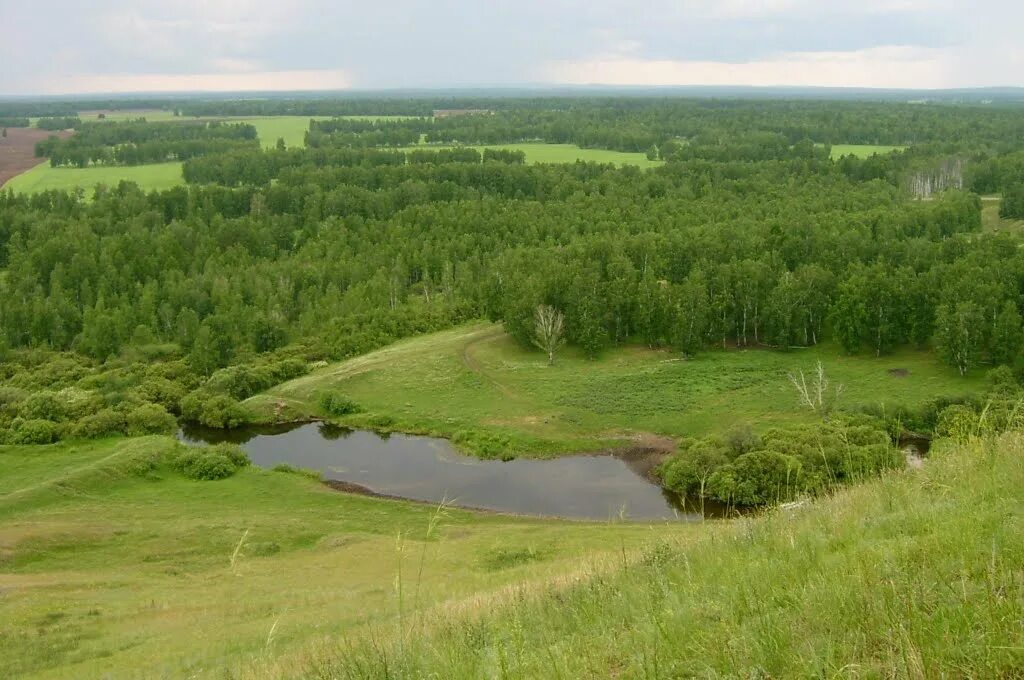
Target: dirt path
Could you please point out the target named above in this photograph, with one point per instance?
(18, 150)
(471, 363)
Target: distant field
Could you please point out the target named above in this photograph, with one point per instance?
(564, 153)
(494, 386)
(862, 150)
(43, 177)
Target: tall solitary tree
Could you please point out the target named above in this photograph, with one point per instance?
(548, 330)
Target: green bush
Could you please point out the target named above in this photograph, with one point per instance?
(206, 463)
(33, 431)
(336, 404)
(757, 478)
(958, 422)
(43, 405)
(233, 452)
(484, 444)
(160, 390)
(150, 419)
(218, 410)
(103, 423)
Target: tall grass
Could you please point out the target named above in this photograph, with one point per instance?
(916, 574)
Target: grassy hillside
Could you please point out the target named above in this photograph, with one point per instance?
(112, 565)
(917, 575)
(492, 385)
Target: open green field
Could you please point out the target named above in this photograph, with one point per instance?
(43, 177)
(916, 575)
(862, 150)
(491, 385)
(271, 128)
(992, 222)
(112, 565)
(563, 153)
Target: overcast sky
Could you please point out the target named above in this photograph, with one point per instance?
(75, 46)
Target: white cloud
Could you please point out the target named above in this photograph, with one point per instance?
(893, 66)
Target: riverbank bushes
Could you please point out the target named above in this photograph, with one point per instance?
(781, 464)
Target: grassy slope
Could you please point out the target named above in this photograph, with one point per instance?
(109, 573)
(917, 575)
(490, 383)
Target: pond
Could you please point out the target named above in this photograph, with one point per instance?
(595, 487)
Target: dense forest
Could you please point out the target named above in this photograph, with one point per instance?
(182, 302)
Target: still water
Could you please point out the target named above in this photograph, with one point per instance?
(431, 470)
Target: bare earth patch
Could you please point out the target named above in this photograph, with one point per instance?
(18, 150)
(899, 372)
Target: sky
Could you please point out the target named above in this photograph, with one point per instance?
(105, 46)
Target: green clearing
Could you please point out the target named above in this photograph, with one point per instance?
(915, 575)
(493, 387)
(862, 150)
(43, 177)
(993, 223)
(562, 153)
(271, 128)
(110, 570)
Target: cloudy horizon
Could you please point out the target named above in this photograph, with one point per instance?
(261, 45)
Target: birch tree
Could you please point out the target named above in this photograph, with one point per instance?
(548, 330)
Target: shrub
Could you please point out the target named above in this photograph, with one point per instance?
(1002, 379)
(957, 422)
(33, 431)
(160, 390)
(43, 405)
(337, 404)
(150, 419)
(688, 471)
(217, 461)
(233, 452)
(757, 478)
(103, 423)
(217, 410)
(203, 464)
(741, 438)
(484, 444)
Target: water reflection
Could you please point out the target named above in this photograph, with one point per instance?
(428, 469)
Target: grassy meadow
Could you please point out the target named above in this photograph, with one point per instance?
(862, 150)
(915, 575)
(494, 390)
(112, 565)
(43, 177)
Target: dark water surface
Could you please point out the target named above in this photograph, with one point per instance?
(427, 469)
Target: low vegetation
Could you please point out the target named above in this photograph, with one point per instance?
(496, 388)
(143, 557)
(917, 574)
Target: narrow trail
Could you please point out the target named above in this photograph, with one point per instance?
(66, 474)
(473, 365)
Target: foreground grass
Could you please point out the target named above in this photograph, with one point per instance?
(491, 385)
(112, 565)
(157, 176)
(916, 575)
